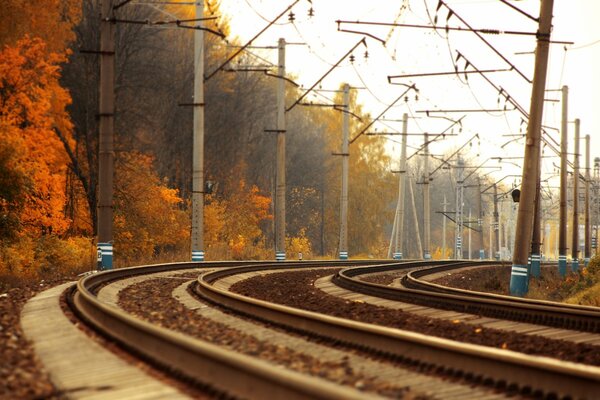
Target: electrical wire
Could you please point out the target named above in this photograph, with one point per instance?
(264, 18)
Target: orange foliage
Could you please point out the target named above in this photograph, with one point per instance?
(32, 104)
(50, 20)
(236, 222)
(148, 215)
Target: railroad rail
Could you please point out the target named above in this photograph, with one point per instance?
(201, 362)
(418, 291)
(502, 368)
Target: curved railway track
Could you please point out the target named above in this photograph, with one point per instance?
(246, 377)
(198, 361)
(416, 290)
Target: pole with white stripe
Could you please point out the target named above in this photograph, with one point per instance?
(198, 143)
(280, 175)
(575, 223)
(524, 228)
(562, 225)
(344, 195)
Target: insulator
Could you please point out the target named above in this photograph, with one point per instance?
(291, 16)
(352, 58)
(366, 54)
(311, 12)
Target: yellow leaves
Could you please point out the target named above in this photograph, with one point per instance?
(478, 330)
(456, 321)
(148, 219)
(504, 346)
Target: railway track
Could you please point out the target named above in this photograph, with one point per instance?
(415, 289)
(414, 360)
(201, 362)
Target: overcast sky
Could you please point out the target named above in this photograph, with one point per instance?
(412, 50)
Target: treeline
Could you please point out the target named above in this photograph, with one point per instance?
(48, 149)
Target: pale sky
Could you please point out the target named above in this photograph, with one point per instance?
(410, 50)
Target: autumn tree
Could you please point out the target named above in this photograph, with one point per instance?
(149, 220)
(32, 107)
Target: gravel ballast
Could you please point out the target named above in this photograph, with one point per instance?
(296, 289)
(152, 300)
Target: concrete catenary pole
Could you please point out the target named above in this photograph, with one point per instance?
(414, 214)
(575, 220)
(519, 277)
(496, 224)
(106, 152)
(596, 203)
(343, 249)
(280, 176)
(564, 147)
(426, 201)
(588, 230)
(398, 236)
(198, 143)
(480, 219)
(459, 204)
(444, 209)
(536, 236)
(470, 230)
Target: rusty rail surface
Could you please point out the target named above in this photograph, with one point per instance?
(502, 368)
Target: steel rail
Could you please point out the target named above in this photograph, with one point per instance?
(505, 368)
(202, 362)
(414, 290)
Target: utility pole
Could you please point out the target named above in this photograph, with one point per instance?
(536, 234)
(564, 146)
(469, 256)
(415, 218)
(426, 200)
(106, 153)
(280, 179)
(480, 219)
(343, 248)
(575, 228)
(519, 278)
(198, 143)
(596, 203)
(459, 201)
(588, 231)
(444, 205)
(398, 235)
(496, 224)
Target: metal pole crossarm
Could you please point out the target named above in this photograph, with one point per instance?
(520, 11)
(382, 113)
(236, 53)
(407, 134)
(498, 181)
(441, 2)
(464, 111)
(178, 23)
(390, 77)
(500, 90)
(362, 41)
(447, 28)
